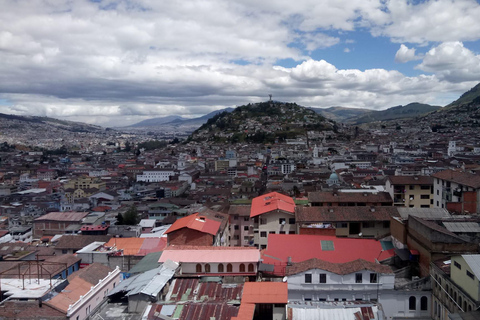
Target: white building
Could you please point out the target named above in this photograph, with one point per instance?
(359, 280)
(156, 175)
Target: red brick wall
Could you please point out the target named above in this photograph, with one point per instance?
(190, 237)
(317, 231)
(470, 201)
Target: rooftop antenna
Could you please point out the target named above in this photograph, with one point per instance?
(270, 95)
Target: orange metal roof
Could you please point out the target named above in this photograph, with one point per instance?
(265, 292)
(271, 201)
(197, 222)
(260, 292)
(130, 246)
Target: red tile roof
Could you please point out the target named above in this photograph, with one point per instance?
(338, 213)
(198, 222)
(338, 268)
(411, 180)
(463, 178)
(270, 202)
(349, 197)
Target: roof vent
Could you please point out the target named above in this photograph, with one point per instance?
(201, 219)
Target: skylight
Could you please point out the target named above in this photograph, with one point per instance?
(327, 245)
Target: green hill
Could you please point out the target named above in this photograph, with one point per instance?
(265, 122)
(411, 110)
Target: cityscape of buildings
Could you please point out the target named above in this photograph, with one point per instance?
(382, 226)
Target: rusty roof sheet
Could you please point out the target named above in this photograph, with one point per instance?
(191, 289)
(194, 311)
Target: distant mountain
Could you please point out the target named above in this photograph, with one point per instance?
(411, 110)
(9, 120)
(178, 121)
(156, 121)
(264, 122)
(341, 114)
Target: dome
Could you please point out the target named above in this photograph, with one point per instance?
(333, 176)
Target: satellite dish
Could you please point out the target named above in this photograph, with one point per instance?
(360, 234)
(284, 279)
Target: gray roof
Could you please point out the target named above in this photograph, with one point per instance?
(424, 213)
(149, 262)
(464, 227)
(149, 283)
(473, 261)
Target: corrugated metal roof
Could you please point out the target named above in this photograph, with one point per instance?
(149, 262)
(470, 227)
(332, 312)
(150, 282)
(424, 213)
(473, 261)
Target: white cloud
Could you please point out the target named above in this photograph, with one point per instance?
(110, 61)
(427, 21)
(452, 62)
(404, 54)
(346, 50)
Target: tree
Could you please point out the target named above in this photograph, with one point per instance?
(119, 219)
(131, 218)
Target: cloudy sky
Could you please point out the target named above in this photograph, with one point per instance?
(115, 63)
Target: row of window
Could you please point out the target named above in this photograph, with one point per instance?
(412, 303)
(221, 268)
(358, 278)
(263, 234)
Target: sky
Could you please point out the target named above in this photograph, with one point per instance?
(115, 63)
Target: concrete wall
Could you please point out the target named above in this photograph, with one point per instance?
(459, 276)
(395, 303)
(191, 268)
(272, 225)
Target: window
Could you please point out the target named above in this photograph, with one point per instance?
(323, 278)
(438, 193)
(220, 267)
(412, 303)
(281, 221)
(242, 267)
(229, 267)
(198, 268)
(236, 227)
(425, 187)
(342, 225)
(235, 217)
(458, 265)
(207, 268)
(470, 275)
(282, 232)
(271, 232)
(424, 206)
(368, 224)
(308, 278)
(251, 267)
(291, 221)
(64, 251)
(358, 278)
(246, 228)
(386, 224)
(425, 196)
(291, 232)
(373, 278)
(246, 219)
(411, 187)
(263, 221)
(263, 234)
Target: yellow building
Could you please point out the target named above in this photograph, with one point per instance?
(86, 182)
(411, 191)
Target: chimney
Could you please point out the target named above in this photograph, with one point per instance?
(289, 261)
